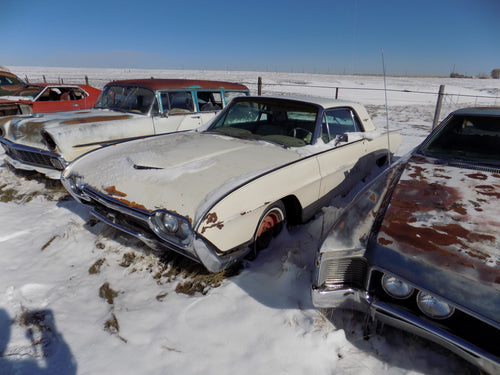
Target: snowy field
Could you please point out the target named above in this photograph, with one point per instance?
(77, 297)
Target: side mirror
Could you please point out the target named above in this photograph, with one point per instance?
(341, 138)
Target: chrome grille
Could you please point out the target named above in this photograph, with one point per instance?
(336, 273)
(30, 157)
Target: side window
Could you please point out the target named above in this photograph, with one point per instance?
(178, 102)
(77, 93)
(209, 100)
(72, 93)
(340, 121)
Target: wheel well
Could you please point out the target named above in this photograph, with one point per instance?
(293, 209)
(381, 161)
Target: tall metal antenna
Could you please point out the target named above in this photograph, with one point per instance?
(386, 113)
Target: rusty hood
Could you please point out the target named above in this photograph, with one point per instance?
(443, 225)
(182, 172)
(27, 130)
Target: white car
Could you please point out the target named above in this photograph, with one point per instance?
(219, 194)
(125, 110)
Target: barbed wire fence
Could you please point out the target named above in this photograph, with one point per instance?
(440, 100)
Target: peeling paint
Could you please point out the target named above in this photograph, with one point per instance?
(111, 190)
(212, 222)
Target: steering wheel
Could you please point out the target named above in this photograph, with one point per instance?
(301, 133)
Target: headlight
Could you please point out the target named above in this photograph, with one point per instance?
(170, 222)
(396, 288)
(434, 307)
(171, 227)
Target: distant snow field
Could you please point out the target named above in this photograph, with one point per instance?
(77, 297)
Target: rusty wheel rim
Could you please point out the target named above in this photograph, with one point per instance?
(269, 227)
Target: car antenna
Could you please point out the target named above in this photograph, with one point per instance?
(386, 113)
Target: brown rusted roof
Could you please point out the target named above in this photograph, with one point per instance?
(159, 84)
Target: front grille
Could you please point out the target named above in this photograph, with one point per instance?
(343, 272)
(30, 157)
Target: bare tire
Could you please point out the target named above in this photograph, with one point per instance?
(270, 225)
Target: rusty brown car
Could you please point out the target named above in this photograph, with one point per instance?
(419, 248)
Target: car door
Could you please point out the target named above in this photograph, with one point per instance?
(75, 98)
(59, 99)
(178, 112)
(339, 126)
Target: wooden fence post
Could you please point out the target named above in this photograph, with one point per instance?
(438, 106)
(259, 86)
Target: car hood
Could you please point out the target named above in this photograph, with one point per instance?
(27, 130)
(9, 99)
(182, 172)
(441, 228)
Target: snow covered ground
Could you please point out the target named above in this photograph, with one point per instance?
(77, 297)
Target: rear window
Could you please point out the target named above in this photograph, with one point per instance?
(468, 138)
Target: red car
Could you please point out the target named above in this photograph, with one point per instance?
(46, 97)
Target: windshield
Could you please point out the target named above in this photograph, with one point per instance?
(467, 138)
(126, 98)
(30, 91)
(285, 122)
(10, 80)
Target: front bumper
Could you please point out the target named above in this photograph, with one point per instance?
(136, 222)
(33, 159)
(357, 299)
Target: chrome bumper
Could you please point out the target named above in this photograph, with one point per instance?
(356, 299)
(136, 222)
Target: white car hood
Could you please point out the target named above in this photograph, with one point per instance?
(27, 130)
(183, 172)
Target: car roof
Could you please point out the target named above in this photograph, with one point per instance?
(323, 102)
(478, 111)
(165, 83)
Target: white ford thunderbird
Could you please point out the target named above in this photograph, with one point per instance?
(218, 194)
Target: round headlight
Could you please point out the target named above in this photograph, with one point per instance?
(396, 288)
(434, 307)
(170, 222)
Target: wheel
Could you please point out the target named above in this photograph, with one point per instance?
(270, 225)
(301, 133)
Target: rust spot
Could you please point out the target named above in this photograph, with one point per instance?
(111, 190)
(133, 204)
(488, 190)
(384, 242)
(211, 220)
(373, 197)
(477, 176)
(95, 119)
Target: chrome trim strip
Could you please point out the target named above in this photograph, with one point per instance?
(403, 320)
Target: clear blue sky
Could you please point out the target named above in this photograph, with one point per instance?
(417, 37)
